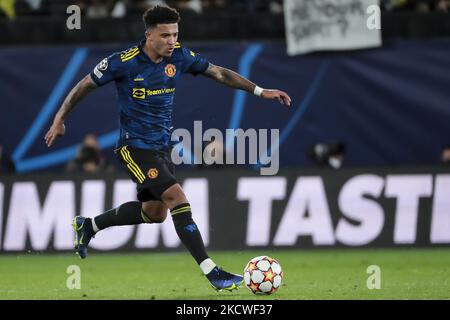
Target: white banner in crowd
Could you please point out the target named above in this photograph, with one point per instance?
(313, 25)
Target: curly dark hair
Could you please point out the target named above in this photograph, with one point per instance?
(160, 14)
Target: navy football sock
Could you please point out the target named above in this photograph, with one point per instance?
(188, 232)
(129, 213)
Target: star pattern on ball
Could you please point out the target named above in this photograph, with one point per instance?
(268, 275)
(254, 287)
(252, 266)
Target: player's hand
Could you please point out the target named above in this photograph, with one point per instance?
(281, 96)
(56, 130)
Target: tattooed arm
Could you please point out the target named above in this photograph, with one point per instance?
(235, 80)
(78, 92)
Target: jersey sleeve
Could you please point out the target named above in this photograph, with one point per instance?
(106, 70)
(193, 62)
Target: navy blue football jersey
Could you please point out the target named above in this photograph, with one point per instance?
(146, 91)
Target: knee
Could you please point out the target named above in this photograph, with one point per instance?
(156, 216)
(173, 196)
(159, 217)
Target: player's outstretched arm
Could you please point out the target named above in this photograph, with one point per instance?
(75, 95)
(235, 80)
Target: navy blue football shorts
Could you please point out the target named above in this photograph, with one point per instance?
(152, 171)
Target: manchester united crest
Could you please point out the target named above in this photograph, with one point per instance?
(170, 70)
(152, 173)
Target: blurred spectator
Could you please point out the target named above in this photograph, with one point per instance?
(415, 5)
(445, 155)
(6, 164)
(250, 6)
(443, 5)
(122, 8)
(193, 5)
(276, 6)
(139, 6)
(328, 154)
(216, 4)
(423, 5)
(393, 5)
(89, 157)
(99, 8)
(119, 9)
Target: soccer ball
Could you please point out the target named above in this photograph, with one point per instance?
(263, 275)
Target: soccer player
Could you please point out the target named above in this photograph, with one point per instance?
(146, 76)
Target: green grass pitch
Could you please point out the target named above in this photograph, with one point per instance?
(312, 274)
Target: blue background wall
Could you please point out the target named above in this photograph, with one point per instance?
(389, 105)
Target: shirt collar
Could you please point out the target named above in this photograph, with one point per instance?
(144, 54)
